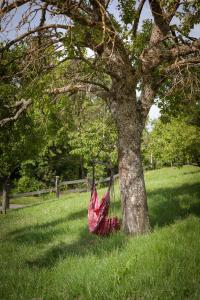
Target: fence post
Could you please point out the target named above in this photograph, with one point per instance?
(88, 184)
(5, 198)
(8, 196)
(57, 187)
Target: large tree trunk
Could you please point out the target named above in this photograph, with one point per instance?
(133, 194)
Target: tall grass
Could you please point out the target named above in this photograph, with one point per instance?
(46, 251)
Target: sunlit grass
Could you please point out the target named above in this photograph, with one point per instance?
(46, 251)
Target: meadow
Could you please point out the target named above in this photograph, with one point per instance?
(47, 253)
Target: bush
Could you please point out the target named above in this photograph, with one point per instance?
(28, 184)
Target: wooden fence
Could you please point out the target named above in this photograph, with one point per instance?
(62, 184)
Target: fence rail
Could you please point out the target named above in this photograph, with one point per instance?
(73, 182)
(34, 193)
(63, 183)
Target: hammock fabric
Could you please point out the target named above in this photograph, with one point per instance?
(98, 220)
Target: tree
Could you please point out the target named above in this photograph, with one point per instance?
(19, 140)
(123, 61)
(94, 137)
(56, 158)
(170, 145)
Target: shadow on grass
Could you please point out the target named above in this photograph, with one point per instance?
(165, 205)
(39, 233)
(87, 244)
(192, 172)
(169, 204)
(77, 215)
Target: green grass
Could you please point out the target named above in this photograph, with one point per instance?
(47, 253)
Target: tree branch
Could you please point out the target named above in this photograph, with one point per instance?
(154, 55)
(96, 83)
(184, 49)
(193, 61)
(24, 105)
(148, 91)
(159, 17)
(73, 10)
(5, 9)
(37, 29)
(173, 10)
(74, 88)
(43, 15)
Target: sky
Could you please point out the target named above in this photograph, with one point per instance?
(154, 112)
(146, 14)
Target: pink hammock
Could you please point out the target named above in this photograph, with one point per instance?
(98, 220)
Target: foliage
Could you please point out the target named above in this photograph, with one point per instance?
(18, 143)
(95, 137)
(175, 142)
(28, 184)
(141, 40)
(127, 9)
(145, 149)
(179, 97)
(20, 140)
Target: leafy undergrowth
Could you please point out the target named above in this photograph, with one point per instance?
(46, 251)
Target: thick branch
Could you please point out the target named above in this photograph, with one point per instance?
(74, 88)
(159, 17)
(155, 55)
(148, 91)
(193, 61)
(67, 89)
(185, 49)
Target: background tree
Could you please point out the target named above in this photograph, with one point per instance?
(55, 119)
(170, 145)
(95, 136)
(19, 140)
(179, 97)
(123, 61)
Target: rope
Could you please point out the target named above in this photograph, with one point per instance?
(112, 195)
(111, 189)
(93, 178)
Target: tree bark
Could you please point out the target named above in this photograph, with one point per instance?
(132, 186)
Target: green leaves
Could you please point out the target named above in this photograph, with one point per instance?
(175, 142)
(95, 137)
(127, 11)
(19, 140)
(190, 17)
(142, 38)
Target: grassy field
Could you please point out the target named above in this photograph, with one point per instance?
(47, 253)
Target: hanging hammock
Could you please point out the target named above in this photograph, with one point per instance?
(98, 221)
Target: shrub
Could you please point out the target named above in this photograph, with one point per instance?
(28, 184)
